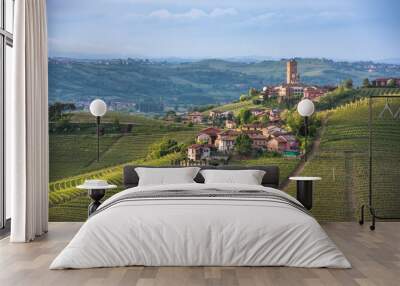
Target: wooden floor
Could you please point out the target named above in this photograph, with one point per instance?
(375, 257)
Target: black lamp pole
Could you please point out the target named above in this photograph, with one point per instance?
(98, 137)
(305, 135)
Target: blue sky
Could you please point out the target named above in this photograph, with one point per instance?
(337, 29)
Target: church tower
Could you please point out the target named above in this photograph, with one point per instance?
(292, 76)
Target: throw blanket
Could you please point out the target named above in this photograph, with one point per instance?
(207, 194)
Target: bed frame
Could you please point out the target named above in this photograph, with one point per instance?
(271, 177)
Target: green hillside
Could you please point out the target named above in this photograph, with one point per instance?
(342, 162)
(73, 153)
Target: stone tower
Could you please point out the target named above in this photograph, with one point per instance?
(292, 76)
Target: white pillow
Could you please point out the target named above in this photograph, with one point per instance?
(248, 177)
(166, 176)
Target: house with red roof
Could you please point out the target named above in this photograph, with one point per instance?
(283, 143)
(208, 135)
(198, 152)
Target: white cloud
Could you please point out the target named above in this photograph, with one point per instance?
(217, 12)
(193, 14)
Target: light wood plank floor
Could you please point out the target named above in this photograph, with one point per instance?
(375, 257)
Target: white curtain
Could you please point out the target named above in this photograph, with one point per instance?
(27, 124)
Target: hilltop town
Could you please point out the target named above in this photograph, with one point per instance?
(261, 129)
(253, 130)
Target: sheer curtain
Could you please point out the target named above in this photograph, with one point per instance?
(27, 124)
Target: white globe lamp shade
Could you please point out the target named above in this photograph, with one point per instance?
(305, 107)
(98, 107)
(265, 88)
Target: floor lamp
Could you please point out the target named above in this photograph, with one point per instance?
(306, 109)
(98, 108)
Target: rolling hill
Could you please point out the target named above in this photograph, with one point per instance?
(190, 83)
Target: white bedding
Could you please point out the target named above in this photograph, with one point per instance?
(200, 231)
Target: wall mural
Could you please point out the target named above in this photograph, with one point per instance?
(177, 86)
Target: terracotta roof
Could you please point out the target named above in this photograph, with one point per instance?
(195, 146)
(286, 138)
(229, 132)
(210, 131)
(258, 136)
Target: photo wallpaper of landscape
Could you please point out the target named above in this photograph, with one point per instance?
(206, 82)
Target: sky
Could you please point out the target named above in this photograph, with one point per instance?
(336, 29)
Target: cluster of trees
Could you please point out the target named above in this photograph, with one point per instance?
(243, 144)
(295, 123)
(348, 84)
(60, 114)
(246, 117)
(339, 96)
(60, 111)
(250, 95)
(390, 83)
(165, 147)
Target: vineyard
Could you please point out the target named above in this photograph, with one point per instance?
(342, 162)
(75, 154)
(234, 107)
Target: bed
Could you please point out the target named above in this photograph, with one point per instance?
(201, 224)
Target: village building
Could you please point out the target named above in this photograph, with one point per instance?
(214, 114)
(275, 115)
(257, 111)
(230, 124)
(226, 140)
(259, 141)
(252, 126)
(273, 131)
(314, 92)
(283, 143)
(383, 82)
(198, 152)
(208, 135)
(218, 114)
(292, 76)
(195, 117)
(267, 92)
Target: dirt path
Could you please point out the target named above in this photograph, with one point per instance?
(314, 150)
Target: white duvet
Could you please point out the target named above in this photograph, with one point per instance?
(202, 232)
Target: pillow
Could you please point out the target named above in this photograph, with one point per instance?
(166, 176)
(248, 177)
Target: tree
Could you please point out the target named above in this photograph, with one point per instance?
(165, 147)
(244, 97)
(245, 116)
(391, 83)
(265, 119)
(59, 111)
(348, 83)
(366, 83)
(243, 144)
(252, 92)
(116, 124)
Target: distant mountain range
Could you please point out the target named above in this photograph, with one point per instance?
(177, 82)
